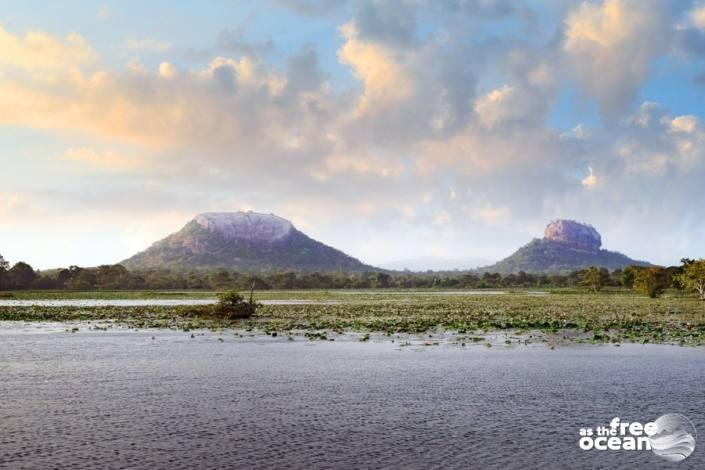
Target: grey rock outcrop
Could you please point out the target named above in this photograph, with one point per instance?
(574, 234)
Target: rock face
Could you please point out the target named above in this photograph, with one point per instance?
(244, 242)
(246, 225)
(574, 235)
(566, 246)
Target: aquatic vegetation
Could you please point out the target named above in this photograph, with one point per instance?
(316, 335)
(604, 317)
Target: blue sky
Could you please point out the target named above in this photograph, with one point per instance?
(391, 130)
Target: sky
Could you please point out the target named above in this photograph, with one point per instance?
(387, 129)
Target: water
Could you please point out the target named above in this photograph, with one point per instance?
(120, 399)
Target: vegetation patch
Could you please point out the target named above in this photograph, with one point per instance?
(604, 316)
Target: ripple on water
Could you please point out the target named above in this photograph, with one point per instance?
(105, 400)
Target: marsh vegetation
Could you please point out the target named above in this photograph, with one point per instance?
(610, 315)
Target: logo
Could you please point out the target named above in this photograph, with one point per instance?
(671, 437)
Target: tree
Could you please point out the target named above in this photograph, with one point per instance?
(628, 275)
(113, 276)
(557, 280)
(3, 272)
(491, 280)
(509, 280)
(81, 279)
(650, 281)
(21, 276)
(221, 280)
(693, 277)
(593, 277)
(469, 280)
(62, 277)
(382, 280)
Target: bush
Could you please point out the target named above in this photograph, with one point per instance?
(650, 281)
(693, 277)
(594, 278)
(232, 305)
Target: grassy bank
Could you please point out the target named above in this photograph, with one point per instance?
(600, 317)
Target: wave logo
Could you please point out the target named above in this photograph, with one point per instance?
(671, 437)
(674, 439)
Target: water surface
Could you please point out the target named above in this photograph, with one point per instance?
(161, 399)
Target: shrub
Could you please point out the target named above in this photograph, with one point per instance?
(693, 277)
(650, 281)
(594, 278)
(232, 305)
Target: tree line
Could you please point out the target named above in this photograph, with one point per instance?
(651, 281)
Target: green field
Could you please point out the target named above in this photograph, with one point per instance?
(573, 315)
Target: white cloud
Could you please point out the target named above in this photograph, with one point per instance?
(383, 79)
(412, 152)
(167, 70)
(590, 180)
(38, 53)
(508, 105)
(686, 124)
(611, 45)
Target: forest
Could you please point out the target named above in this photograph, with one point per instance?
(651, 281)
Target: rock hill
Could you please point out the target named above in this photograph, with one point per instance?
(574, 235)
(567, 246)
(244, 242)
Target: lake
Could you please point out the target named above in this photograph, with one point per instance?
(161, 399)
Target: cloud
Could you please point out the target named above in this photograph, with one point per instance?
(655, 143)
(104, 159)
(590, 180)
(697, 16)
(167, 70)
(384, 81)
(231, 103)
(12, 205)
(358, 165)
(508, 105)
(39, 53)
(437, 138)
(611, 46)
(389, 23)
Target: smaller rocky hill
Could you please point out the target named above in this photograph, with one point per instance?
(567, 246)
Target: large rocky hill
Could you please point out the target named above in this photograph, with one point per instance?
(245, 242)
(566, 246)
